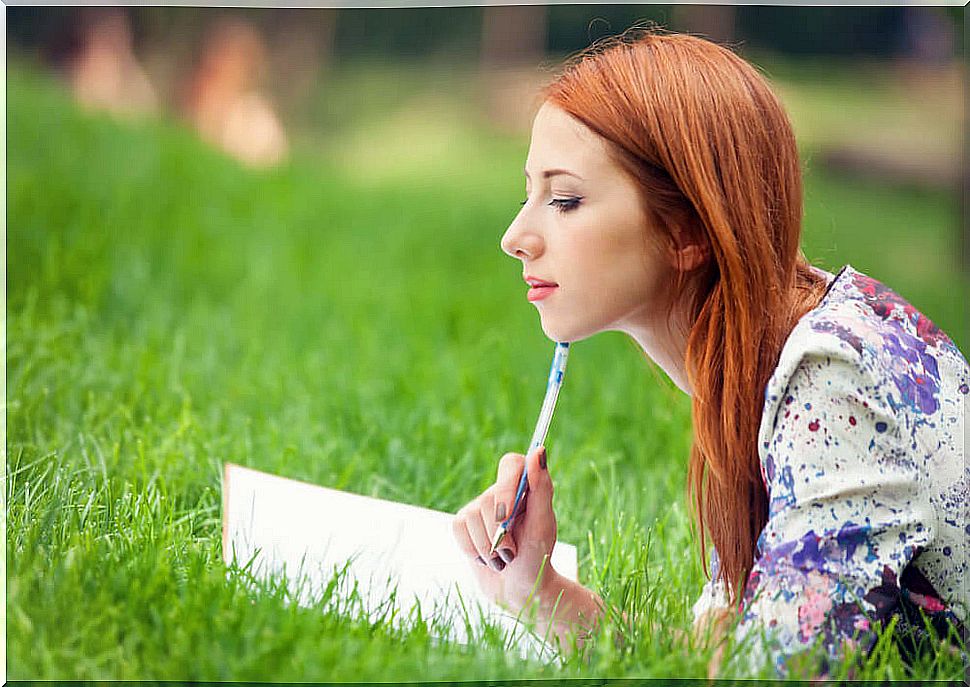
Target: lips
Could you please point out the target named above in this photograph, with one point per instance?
(535, 281)
(537, 293)
(540, 288)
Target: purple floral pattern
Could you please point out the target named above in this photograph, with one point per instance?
(861, 444)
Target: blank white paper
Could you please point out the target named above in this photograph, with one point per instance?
(307, 532)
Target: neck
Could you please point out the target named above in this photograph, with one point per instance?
(666, 346)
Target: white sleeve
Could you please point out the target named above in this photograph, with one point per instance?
(846, 515)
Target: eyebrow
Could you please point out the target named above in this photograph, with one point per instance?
(553, 172)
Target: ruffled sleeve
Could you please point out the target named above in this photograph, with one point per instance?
(713, 596)
(845, 513)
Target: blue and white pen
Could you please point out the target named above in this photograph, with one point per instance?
(556, 372)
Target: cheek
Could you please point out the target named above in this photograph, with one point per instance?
(624, 263)
(596, 247)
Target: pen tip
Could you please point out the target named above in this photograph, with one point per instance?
(497, 537)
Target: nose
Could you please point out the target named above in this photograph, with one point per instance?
(520, 243)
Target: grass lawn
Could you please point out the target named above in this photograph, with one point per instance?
(168, 311)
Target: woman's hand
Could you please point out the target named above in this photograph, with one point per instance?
(512, 574)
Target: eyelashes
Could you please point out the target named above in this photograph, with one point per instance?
(564, 205)
(561, 204)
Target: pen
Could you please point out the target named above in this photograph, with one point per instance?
(556, 371)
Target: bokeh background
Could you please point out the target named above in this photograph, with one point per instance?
(875, 94)
(271, 237)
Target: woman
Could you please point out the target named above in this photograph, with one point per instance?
(664, 200)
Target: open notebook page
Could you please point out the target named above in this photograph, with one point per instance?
(309, 532)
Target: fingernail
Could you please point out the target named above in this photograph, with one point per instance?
(500, 512)
(506, 555)
(497, 564)
(542, 458)
(482, 561)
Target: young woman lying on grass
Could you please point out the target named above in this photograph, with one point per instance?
(664, 200)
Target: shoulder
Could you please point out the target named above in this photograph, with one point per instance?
(864, 333)
(832, 351)
(867, 392)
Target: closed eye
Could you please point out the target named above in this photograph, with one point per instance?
(561, 204)
(565, 204)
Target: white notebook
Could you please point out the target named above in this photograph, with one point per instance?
(282, 526)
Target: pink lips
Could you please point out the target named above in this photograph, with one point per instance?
(540, 288)
(537, 293)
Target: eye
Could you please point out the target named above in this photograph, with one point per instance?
(561, 204)
(565, 204)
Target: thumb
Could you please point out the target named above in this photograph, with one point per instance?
(540, 484)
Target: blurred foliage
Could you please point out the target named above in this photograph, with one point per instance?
(426, 31)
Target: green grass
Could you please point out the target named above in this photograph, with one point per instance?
(169, 311)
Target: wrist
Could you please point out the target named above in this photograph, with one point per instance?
(553, 587)
(521, 593)
(569, 606)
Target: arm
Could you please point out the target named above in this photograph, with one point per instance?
(563, 608)
(845, 515)
(519, 575)
(713, 617)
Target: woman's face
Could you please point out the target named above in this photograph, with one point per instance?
(582, 227)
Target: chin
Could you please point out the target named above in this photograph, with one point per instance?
(564, 333)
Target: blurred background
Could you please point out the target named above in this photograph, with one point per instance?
(214, 155)
(432, 107)
(875, 93)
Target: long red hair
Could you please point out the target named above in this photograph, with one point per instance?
(713, 151)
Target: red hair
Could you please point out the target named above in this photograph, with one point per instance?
(708, 142)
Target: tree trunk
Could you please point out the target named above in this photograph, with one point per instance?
(714, 22)
(301, 48)
(513, 34)
(512, 46)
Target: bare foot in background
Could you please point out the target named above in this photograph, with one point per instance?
(104, 73)
(222, 99)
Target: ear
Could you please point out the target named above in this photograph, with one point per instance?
(688, 252)
(690, 257)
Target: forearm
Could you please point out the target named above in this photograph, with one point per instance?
(563, 608)
(712, 629)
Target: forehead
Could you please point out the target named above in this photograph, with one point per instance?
(560, 140)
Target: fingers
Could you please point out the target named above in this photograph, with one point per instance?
(540, 484)
(473, 529)
(463, 536)
(476, 523)
(480, 522)
(498, 560)
(506, 548)
(506, 484)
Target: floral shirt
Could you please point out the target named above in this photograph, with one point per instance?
(862, 453)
